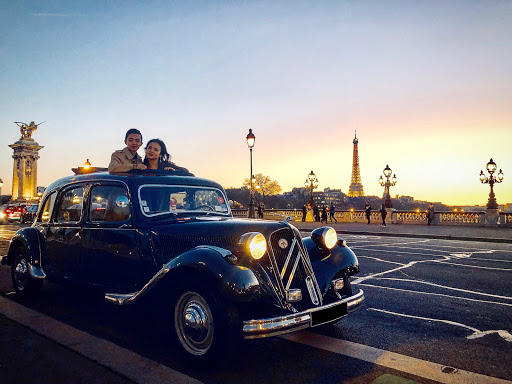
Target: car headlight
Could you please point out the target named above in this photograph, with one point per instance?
(254, 243)
(325, 237)
(2, 215)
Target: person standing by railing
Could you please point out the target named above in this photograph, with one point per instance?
(430, 213)
(368, 211)
(304, 212)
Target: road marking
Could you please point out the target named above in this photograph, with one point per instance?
(471, 266)
(436, 294)
(121, 360)
(402, 363)
(476, 332)
(445, 287)
(377, 259)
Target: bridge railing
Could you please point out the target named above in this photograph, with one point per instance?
(476, 218)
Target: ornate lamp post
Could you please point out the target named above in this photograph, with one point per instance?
(311, 183)
(1, 183)
(491, 168)
(386, 184)
(250, 143)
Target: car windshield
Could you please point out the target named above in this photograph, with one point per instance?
(162, 199)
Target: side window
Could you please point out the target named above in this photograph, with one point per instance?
(70, 205)
(109, 203)
(44, 216)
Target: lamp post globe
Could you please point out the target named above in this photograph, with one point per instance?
(491, 180)
(387, 184)
(251, 138)
(311, 183)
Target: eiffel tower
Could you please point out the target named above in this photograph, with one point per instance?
(356, 188)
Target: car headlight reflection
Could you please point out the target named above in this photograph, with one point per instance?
(325, 237)
(255, 244)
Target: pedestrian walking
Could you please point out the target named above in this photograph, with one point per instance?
(430, 213)
(316, 212)
(383, 213)
(304, 212)
(332, 211)
(368, 210)
(324, 214)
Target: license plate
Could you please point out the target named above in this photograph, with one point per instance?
(328, 314)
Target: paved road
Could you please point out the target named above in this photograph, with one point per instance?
(430, 305)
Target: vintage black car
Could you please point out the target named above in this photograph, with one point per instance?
(219, 279)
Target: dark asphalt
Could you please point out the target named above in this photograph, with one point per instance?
(26, 356)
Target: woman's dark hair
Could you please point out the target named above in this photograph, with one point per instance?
(164, 155)
(130, 131)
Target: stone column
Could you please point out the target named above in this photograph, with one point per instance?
(24, 176)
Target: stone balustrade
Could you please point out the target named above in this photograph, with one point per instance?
(394, 217)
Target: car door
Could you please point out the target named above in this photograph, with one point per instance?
(64, 238)
(111, 245)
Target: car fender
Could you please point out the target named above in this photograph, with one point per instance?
(340, 261)
(234, 282)
(29, 238)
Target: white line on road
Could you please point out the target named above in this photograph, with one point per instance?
(476, 332)
(445, 287)
(436, 294)
(402, 363)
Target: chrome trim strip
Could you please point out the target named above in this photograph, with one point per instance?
(288, 257)
(258, 328)
(129, 298)
(292, 273)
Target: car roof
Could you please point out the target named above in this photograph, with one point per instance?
(135, 179)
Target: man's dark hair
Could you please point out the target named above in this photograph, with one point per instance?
(132, 130)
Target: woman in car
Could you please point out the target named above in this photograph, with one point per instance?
(158, 158)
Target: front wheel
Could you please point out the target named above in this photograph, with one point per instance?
(206, 329)
(22, 282)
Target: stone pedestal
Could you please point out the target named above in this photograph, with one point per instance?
(24, 175)
(491, 217)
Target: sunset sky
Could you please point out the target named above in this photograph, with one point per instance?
(427, 85)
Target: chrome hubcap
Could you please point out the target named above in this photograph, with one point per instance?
(21, 274)
(194, 323)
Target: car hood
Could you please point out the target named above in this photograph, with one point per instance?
(172, 238)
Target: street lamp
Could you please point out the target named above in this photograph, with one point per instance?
(491, 168)
(311, 183)
(1, 183)
(250, 143)
(386, 184)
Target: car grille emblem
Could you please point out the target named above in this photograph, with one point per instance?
(283, 243)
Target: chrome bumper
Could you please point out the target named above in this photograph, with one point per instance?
(254, 329)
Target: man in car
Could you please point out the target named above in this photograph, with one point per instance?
(127, 159)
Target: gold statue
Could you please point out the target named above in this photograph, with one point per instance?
(26, 130)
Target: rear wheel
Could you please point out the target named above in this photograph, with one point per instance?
(22, 282)
(206, 329)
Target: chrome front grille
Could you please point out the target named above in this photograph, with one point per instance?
(293, 268)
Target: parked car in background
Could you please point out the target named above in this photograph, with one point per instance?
(3, 214)
(30, 214)
(171, 239)
(13, 212)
